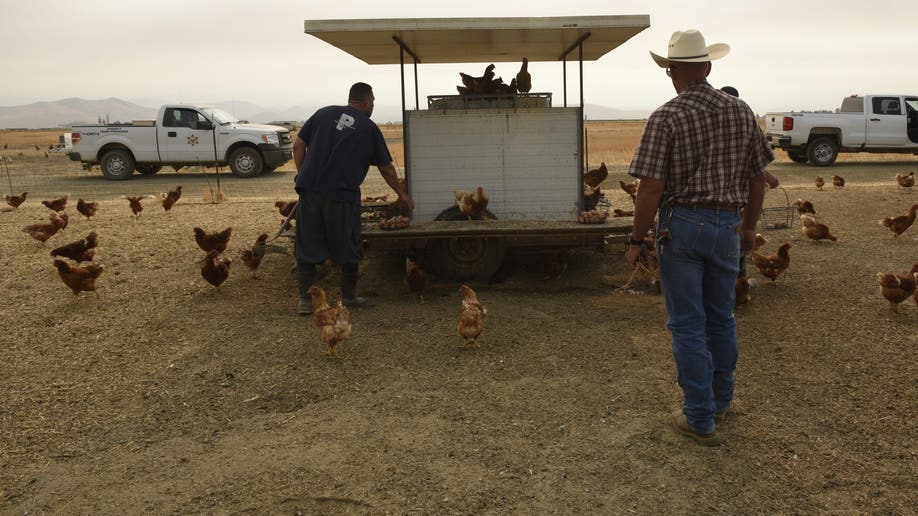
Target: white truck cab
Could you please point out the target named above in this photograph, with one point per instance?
(181, 136)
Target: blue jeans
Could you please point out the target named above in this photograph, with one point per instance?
(698, 251)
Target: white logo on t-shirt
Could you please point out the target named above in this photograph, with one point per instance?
(346, 120)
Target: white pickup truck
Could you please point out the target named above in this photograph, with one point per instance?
(872, 123)
(182, 136)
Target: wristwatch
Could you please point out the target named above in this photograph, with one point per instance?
(632, 241)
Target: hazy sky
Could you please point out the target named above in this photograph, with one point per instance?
(800, 54)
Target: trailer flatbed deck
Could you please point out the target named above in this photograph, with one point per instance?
(541, 233)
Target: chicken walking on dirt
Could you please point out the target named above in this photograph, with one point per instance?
(333, 321)
(87, 209)
(815, 230)
(135, 203)
(252, 257)
(79, 279)
(80, 250)
(215, 269)
(56, 204)
(905, 180)
(16, 200)
(820, 182)
(169, 199)
(42, 232)
(897, 288)
(899, 224)
(212, 241)
(471, 317)
(415, 277)
(773, 265)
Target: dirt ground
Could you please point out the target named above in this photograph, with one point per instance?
(165, 396)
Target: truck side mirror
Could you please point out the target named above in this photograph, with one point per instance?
(203, 125)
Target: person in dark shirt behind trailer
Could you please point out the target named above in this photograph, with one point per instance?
(333, 152)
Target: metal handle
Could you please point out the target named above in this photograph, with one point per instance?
(874, 119)
(171, 134)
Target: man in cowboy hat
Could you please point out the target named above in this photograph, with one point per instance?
(701, 160)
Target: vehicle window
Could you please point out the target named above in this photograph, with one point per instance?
(886, 106)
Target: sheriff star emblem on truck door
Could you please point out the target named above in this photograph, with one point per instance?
(193, 140)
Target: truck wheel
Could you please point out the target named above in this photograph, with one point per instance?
(822, 151)
(246, 162)
(117, 165)
(148, 169)
(797, 156)
(466, 258)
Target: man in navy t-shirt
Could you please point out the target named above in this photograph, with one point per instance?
(333, 152)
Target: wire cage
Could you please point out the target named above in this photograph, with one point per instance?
(779, 217)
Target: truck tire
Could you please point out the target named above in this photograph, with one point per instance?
(117, 165)
(466, 258)
(246, 162)
(148, 169)
(797, 156)
(822, 151)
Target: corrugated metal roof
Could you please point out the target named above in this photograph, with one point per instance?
(477, 40)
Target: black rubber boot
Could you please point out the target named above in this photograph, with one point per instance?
(349, 286)
(305, 278)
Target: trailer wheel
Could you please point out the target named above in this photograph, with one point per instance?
(117, 164)
(246, 162)
(466, 258)
(822, 151)
(797, 156)
(148, 169)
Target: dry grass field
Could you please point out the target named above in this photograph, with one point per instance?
(163, 395)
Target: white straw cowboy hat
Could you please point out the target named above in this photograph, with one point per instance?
(688, 47)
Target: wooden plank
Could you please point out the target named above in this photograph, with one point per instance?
(498, 228)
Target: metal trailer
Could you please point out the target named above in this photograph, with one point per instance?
(527, 154)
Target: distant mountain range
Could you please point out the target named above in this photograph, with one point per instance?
(72, 111)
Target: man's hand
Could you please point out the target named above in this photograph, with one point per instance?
(407, 200)
(634, 252)
(747, 241)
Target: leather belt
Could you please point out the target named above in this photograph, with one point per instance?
(710, 206)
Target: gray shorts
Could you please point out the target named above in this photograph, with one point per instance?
(327, 228)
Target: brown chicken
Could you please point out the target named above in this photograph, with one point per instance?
(743, 291)
(472, 204)
(815, 230)
(80, 250)
(212, 241)
(820, 182)
(215, 269)
(286, 207)
(478, 85)
(415, 277)
(905, 180)
(56, 204)
(899, 224)
(557, 264)
(169, 199)
(759, 241)
(804, 206)
(590, 197)
(630, 188)
(838, 182)
(79, 279)
(16, 200)
(471, 316)
(596, 176)
(772, 266)
(895, 288)
(135, 203)
(523, 78)
(333, 321)
(87, 209)
(42, 232)
(252, 257)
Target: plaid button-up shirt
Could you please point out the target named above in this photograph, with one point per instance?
(704, 145)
